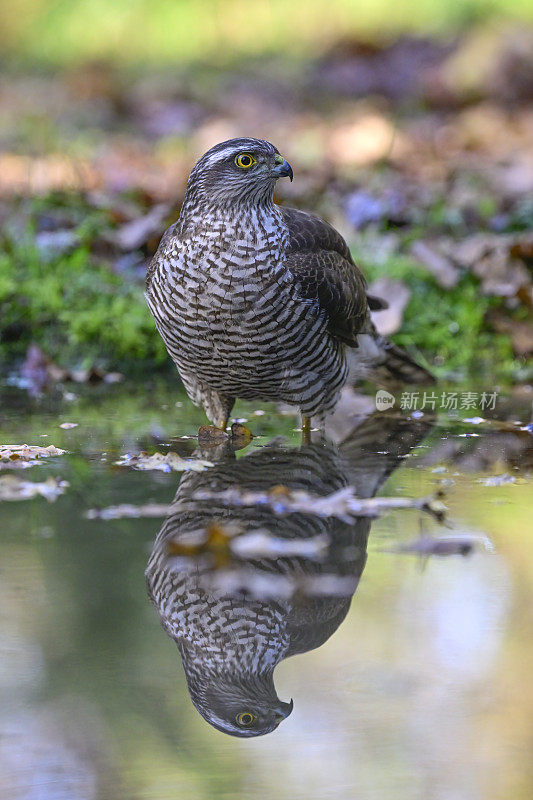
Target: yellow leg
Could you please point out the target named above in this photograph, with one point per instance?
(306, 430)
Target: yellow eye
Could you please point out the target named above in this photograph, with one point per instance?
(245, 720)
(245, 160)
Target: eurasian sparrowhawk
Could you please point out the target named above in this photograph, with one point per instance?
(254, 300)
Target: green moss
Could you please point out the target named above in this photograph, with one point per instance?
(74, 307)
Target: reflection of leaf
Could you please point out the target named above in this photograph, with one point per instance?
(171, 462)
(443, 545)
(262, 544)
(343, 504)
(14, 488)
(129, 511)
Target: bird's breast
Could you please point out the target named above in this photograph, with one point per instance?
(231, 281)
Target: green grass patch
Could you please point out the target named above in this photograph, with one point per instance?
(75, 307)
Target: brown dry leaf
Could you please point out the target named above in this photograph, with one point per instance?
(14, 488)
(171, 462)
(442, 269)
(397, 295)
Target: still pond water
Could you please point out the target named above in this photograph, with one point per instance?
(411, 675)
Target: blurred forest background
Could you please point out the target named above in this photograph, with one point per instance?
(409, 126)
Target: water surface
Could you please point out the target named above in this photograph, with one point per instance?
(410, 675)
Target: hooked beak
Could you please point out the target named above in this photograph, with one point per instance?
(283, 170)
(287, 708)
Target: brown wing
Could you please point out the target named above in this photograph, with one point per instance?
(324, 272)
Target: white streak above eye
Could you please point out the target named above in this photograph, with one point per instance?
(214, 158)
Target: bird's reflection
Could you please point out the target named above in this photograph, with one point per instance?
(235, 616)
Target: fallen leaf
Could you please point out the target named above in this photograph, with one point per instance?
(396, 294)
(14, 488)
(54, 243)
(24, 455)
(171, 462)
(363, 208)
(39, 371)
(134, 234)
(489, 257)
(442, 269)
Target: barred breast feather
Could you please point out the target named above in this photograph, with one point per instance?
(248, 310)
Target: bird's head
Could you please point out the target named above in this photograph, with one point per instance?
(240, 705)
(238, 170)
